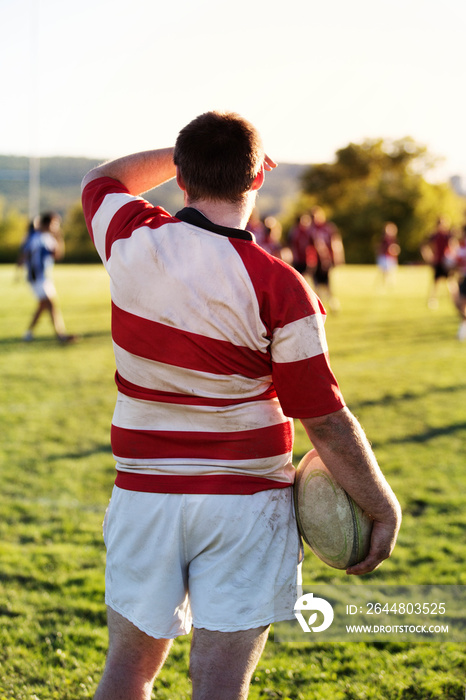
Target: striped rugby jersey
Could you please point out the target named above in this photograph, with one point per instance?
(38, 250)
(218, 345)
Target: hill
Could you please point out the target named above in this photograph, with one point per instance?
(60, 179)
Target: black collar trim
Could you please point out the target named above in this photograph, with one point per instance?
(192, 216)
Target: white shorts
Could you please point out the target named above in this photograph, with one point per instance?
(220, 562)
(386, 263)
(43, 289)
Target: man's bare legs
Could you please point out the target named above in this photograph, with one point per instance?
(221, 663)
(133, 661)
(49, 306)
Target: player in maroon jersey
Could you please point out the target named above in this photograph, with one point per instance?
(388, 251)
(299, 242)
(436, 251)
(459, 297)
(329, 250)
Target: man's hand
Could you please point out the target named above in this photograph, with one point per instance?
(269, 164)
(344, 449)
(383, 540)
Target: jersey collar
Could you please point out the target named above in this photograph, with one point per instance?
(192, 216)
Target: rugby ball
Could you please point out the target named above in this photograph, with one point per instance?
(336, 529)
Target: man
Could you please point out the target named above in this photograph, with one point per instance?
(329, 252)
(388, 251)
(299, 241)
(43, 245)
(217, 345)
(459, 296)
(436, 251)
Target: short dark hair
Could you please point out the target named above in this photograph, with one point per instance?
(46, 219)
(218, 155)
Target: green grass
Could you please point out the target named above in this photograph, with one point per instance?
(402, 373)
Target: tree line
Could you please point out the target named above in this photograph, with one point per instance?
(366, 185)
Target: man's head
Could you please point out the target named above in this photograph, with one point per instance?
(49, 221)
(318, 216)
(218, 157)
(391, 229)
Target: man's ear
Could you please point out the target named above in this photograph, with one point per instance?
(258, 180)
(180, 180)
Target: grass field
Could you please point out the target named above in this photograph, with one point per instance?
(402, 372)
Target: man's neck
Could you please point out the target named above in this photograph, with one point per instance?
(229, 214)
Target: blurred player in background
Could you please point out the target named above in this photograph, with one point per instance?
(44, 245)
(268, 233)
(257, 227)
(436, 252)
(388, 252)
(459, 296)
(326, 241)
(299, 241)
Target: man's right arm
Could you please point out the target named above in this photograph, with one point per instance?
(343, 447)
(138, 172)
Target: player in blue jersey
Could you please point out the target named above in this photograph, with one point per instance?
(43, 245)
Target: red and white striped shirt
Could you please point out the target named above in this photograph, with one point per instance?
(217, 345)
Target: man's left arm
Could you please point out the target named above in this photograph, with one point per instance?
(58, 247)
(344, 449)
(138, 172)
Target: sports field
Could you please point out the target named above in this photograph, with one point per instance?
(402, 372)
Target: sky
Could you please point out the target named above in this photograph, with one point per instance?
(103, 78)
